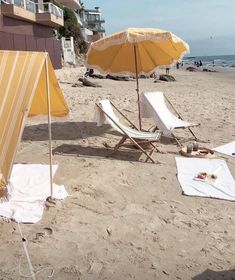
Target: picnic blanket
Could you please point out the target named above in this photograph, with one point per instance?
(27, 192)
(223, 187)
(227, 149)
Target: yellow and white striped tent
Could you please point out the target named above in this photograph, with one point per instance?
(27, 80)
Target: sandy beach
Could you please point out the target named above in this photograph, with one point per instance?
(126, 219)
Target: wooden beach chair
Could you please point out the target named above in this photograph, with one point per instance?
(137, 138)
(153, 105)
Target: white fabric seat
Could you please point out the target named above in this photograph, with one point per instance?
(152, 105)
(104, 114)
(227, 149)
(101, 118)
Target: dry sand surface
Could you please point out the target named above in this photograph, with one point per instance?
(126, 219)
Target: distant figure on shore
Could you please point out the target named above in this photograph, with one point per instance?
(88, 72)
(167, 70)
(177, 65)
(182, 64)
(200, 64)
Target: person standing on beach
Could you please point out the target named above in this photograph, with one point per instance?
(89, 72)
(200, 64)
(167, 71)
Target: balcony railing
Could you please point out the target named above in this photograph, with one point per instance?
(36, 8)
(72, 4)
(25, 4)
(93, 21)
(95, 28)
(49, 8)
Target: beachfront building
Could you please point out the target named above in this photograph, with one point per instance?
(92, 24)
(29, 25)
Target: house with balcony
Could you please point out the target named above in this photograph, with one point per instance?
(28, 25)
(92, 24)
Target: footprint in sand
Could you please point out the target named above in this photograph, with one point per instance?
(69, 272)
(48, 231)
(44, 233)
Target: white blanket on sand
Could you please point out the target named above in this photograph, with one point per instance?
(227, 149)
(223, 187)
(27, 192)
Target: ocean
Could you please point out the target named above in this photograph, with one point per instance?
(217, 60)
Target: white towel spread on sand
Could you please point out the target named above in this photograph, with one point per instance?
(152, 105)
(227, 149)
(188, 168)
(27, 192)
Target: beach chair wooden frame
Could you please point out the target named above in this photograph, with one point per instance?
(132, 140)
(178, 140)
(180, 117)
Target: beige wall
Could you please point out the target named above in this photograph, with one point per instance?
(16, 34)
(16, 20)
(16, 26)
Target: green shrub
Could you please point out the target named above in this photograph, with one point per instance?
(71, 28)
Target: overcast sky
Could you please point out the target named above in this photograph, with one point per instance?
(207, 25)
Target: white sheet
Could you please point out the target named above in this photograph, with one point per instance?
(28, 189)
(227, 149)
(152, 105)
(223, 187)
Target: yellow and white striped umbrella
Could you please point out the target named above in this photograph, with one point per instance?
(135, 51)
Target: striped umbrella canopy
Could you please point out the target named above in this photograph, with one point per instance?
(135, 51)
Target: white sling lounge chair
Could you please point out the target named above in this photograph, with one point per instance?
(152, 105)
(105, 114)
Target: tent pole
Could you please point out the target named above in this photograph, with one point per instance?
(137, 85)
(49, 124)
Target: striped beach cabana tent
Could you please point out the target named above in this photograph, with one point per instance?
(28, 87)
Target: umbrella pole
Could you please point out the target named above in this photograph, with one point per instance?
(137, 85)
(49, 124)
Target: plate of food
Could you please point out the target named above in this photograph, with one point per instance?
(205, 177)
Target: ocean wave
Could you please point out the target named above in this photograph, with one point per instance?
(222, 61)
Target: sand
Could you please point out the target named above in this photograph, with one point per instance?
(126, 219)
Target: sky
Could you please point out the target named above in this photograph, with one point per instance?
(206, 25)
